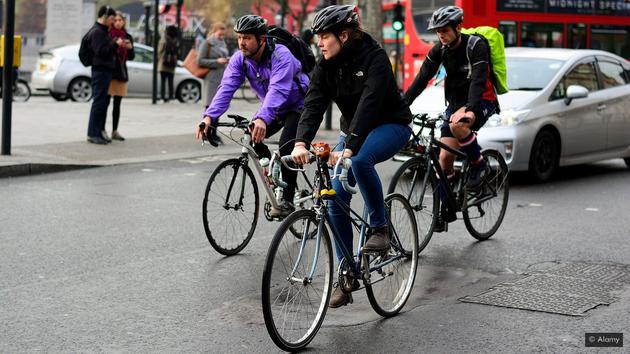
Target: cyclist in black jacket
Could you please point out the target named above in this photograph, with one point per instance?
(470, 94)
(356, 74)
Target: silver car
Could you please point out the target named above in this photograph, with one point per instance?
(60, 72)
(565, 107)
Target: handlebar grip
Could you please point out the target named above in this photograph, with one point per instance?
(343, 177)
(275, 175)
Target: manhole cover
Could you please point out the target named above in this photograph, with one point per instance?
(568, 289)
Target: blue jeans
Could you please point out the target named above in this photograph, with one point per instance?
(381, 144)
(100, 101)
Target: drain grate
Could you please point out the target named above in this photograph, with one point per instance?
(567, 289)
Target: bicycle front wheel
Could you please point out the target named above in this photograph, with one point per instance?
(294, 302)
(409, 181)
(230, 207)
(393, 273)
(485, 207)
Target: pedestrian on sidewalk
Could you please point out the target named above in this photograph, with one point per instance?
(120, 76)
(213, 54)
(103, 48)
(168, 53)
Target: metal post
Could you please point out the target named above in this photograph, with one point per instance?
(156, 22)
(7, 80)
(178, 17)
(397, 57)
(283, 12)
(147, 15)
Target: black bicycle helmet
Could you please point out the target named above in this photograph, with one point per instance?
(252, 24)
(445, 16)
(334, 18)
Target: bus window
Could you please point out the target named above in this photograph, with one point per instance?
(577, 36)
(508, 30)
(613, 39)
(548, 35)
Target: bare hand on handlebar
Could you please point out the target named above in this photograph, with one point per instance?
(300, 154)
(259, 129)
(336, 155)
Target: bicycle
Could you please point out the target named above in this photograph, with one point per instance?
(483, 207)
(21, 90)
(231, 197)
(297, 275)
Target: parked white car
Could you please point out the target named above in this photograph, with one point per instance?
(60, 72)
(565, 107)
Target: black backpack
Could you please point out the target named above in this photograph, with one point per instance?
(85, 49)
(170, 54)
(300, 50)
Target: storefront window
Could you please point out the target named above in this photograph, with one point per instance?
(545, 35)
(614, 39)
(577, 36)
(508, 30)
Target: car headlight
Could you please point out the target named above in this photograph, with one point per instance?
(507, 118)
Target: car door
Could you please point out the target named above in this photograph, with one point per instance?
(616, 107)
(140, 72)
(583, 127)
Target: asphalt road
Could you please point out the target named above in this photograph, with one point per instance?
(115, 259)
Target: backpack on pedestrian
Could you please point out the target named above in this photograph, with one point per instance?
(170, 54)
(496, 44)
(296, 45)
(86, 54)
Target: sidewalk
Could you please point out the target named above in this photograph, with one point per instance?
(49, 136)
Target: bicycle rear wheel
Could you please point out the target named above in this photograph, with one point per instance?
(393, 272)
(21, 91)
(485, 207)
(409, 181)
(230, 207)
(294, 305)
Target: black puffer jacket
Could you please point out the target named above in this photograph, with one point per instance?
(361, 82)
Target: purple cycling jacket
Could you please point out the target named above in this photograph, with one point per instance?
(273, 80)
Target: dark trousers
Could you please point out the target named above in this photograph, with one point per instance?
(116, 112)
(287, 139)
(165, 76)
(100, 101)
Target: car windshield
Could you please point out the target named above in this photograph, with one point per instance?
(530, 74)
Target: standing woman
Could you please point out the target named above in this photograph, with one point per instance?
(118, 85)
(168, 53)
(356, 74)
(213, 54)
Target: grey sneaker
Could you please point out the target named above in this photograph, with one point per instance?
(379, 241)
(282, 211)
(105, 136)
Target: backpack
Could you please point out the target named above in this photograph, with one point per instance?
(170, 54)
(85, 49)
(495, 42)
(296, 45)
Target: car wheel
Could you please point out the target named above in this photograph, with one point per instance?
(189, 91)
(58, 96)
(545, 156)
(627, 161)
(80, 89)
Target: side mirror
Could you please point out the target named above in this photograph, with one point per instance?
(575, 91)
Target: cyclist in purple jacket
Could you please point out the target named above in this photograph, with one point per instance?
(276, 77)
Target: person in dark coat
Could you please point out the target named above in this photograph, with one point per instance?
(118, 85)
(168, 53)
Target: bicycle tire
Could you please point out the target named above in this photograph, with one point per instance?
(386, 291)
(408, 175)
(477, 215)
(277, 288)
(21, 91)
(238, 232)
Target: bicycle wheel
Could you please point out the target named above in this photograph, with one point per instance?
(485, 207)
(393, 273)
(294, 305)
(21, 91)
(409, 181)
(231, 205)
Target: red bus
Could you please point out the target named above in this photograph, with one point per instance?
(595, 24)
